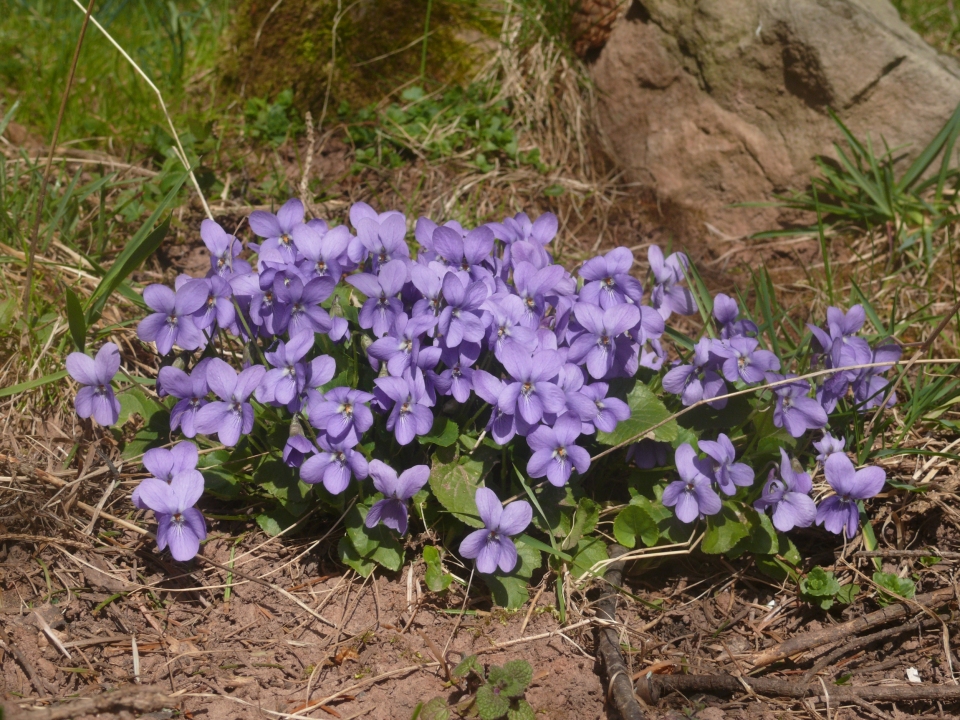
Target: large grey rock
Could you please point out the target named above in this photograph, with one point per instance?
(714, 102)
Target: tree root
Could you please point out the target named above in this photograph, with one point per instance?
(653, 687)
(620, 688)
(833, 633)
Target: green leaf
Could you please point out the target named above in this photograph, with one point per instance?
(585, 519)
(455, 484)
(590, 551)
(444, 433)
(774, 567)
(510, 591)
(275, 520)
(900, 587)
(351, 558)
(31, 384)
(221, 483)
(559, 507)
(283, 484)
(377, 543)
(634, 522)
(724, 531)
(436, 709)
(521, 710)
(437, 580)
(819, 583)
(491, 705)
(646, 410)
(762, 536)
(520, 672)
(847, 593)
(78, 324)
(469, 664)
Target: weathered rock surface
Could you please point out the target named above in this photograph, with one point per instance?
(714, 102)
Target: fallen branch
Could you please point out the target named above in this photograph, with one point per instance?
(140, 700)
(832, 633)
(653, 687)
(620, 686)
(942, 554)
(859, 642)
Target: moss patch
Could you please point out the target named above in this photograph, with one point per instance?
(378, 47)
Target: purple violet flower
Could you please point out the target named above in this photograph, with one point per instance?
(342, 415)
(96, 397)
(502, 424)
(323, 251)
(725, 312)
(401, 342)
(729, 474)
(507, 311)
(554, 452)
(606, 411)
(608, 282)
(840, 512)
(397, 491)
(668, 296)
(465, 254)
(224, 249)
(794, 410)
(218, 309)
(232, 415)
(492, 547)
(870, 387)
(532, 392)
(602, 338)
(743, 361)
(532, 285)
(298, 304)
(179, 525)
(285, 380)
(382, 307)
(411, 415)
(457, 380)
(692, 495)
(165, 464)
(191, 391)
(699, 380)
(461, 320)
(278, 231)
(335, 466)
(828, 445)
(297, 448)
(172, 322)
(383, 240)
(789, 496)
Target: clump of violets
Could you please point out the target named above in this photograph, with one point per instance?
(327, 347)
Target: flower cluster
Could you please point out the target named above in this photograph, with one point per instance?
(482, 316)
(786, 492)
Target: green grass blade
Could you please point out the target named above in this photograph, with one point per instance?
(31, 384)
(76, 320)
(946, 136)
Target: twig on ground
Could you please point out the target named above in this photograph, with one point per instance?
(620, 687)
(860, 642)
(653, 687)
(832, 633)
(141, 700)
(942, 554)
